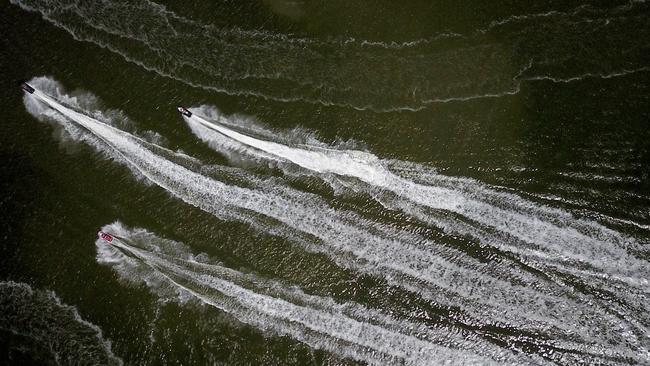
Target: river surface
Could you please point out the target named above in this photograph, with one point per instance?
(380, 183)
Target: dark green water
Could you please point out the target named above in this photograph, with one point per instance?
(471, 180)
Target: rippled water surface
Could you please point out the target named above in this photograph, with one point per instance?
(390, 183)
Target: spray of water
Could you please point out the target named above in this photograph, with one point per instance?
(500, 219)
(348, 330)
(377, 75)
(490, 291)
(546, 238)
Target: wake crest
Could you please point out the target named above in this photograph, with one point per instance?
(490, 292)
(348, 330)
(549, 236)
(378, 76)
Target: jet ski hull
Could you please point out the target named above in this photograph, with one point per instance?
(26, 87)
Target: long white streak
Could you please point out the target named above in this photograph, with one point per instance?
(443, 275)
(552, 232)
(319, 322)
(588, 75)
(519, 79)
(175, 76)
(159, 35)
(340, 237)
(545, 235)
(299, 212)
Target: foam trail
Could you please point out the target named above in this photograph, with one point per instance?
(382, 76)
(539, 232)
(348, 330)
(441, 274)
(341, 236)
(143, 33)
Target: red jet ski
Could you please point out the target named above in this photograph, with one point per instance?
(105, 236)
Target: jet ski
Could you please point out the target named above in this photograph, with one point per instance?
(105, 236)
(184, 111)
(26, 87)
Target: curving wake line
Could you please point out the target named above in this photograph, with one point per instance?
(348, 330)
(493, 292)
(378, 75)
(548, 238)
(503, 220)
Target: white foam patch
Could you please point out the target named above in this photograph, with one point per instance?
(349, 330)
(546, 236)
(491, 292)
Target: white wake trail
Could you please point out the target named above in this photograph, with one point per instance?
(449, 277)
(546, 236)
(522, 227)
(41, 326)
(349, 330)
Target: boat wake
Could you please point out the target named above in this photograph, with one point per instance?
(548, 239)
(458, 205)
(492, 292)
(348, 330)
(378, 76)
(38, 322)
